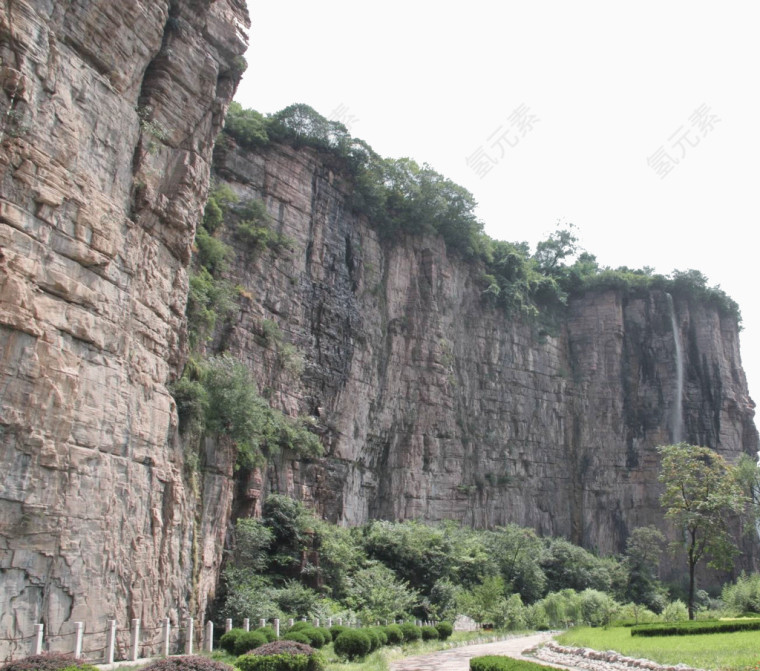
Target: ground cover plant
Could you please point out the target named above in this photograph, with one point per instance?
(738, 650)
(502, 663)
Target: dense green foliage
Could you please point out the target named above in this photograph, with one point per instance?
(499, 663)
(352, 643)
(291, 564)
(187, 663)
(218, 396)
(701, 494)
(693, 627)
(398, 196)
(229, 638)
(744, 595)
(47, 661)
(445, 630)
(247, 641)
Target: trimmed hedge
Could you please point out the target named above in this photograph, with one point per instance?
(336, 630)
(282, 656)
(228, 639)
(695, 627)
(49, 661)
(187, 663)
(269, 633)
(445, 629)
(411, 632)
(351, 644)
(429, 633)
(297, 637)
(499, 663)
(247, 641)
(394, 634)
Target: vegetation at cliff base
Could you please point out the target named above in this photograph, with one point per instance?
(289, 563)
(401, 197)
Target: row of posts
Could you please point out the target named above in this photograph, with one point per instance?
(134, 645)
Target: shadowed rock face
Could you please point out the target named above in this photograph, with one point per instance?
(435, 405)
(108, 111)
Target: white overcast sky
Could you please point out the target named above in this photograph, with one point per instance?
(607, 85)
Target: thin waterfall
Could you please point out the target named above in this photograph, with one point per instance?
(677, 414)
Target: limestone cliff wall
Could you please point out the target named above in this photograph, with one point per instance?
(434, 404)
(108, 112)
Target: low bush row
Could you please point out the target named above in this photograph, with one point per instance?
(355, 643)
(499, 663)
(695, 627)
(282, 655)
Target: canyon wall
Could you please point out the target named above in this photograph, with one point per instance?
(430, 401)
(108, 112)
(435, 404)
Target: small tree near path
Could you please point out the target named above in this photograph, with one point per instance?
(701, 494)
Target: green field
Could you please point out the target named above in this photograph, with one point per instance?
(737, 650)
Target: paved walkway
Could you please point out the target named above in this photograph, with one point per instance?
(458, 659)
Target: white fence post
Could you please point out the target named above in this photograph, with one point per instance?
(290, 622)
(247, 624)
(111, 641)
(277, 626)
(135, 642)
(329, 622)
(209, 636)
(39, 633)
(227, 624)
(340, 621)
(167, 634)
(80, 636)
(262, 622)
(189, 642)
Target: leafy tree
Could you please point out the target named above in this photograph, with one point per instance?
(377, 594)
(701, 493)
(643, 550)
(518, 552)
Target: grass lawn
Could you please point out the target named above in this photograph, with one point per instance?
(737, 650)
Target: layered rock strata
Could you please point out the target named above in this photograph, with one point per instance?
(436, 404)
(108, 112)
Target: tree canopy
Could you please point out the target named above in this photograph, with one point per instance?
(701, 495)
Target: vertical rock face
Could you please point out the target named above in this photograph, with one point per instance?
(435, 404)
(108, 111)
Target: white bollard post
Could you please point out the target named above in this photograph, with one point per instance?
(80, 636)
(227, 624)
(39, 633)
(316, 621)
(135, 642)
(167, 634)
(277, 627)
(303, 619)
(262, 622)
(209, 636)
(329, 622)
(340, 621)
(247, 624)
(291, 622)
(110, 641)
(189, 642)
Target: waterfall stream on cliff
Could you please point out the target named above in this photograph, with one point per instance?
(677, 415)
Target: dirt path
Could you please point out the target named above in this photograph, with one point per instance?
(458, 659)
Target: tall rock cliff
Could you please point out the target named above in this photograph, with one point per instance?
(108, 111)
(435, 404)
